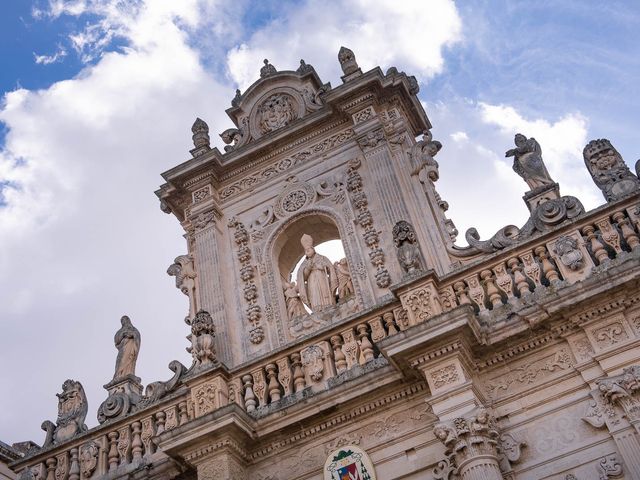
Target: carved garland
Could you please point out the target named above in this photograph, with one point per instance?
(250, 291)
(365, 219)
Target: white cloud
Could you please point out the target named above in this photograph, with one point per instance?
(49, 59)
(83, 238)
(411, 37)
(459, 137)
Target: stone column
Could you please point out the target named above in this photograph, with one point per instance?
(472, 445)
(207, 261)
(223, 466)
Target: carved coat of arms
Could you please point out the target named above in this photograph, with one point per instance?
(348, 463)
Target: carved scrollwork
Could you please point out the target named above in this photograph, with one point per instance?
(543, 218)
(276, 111)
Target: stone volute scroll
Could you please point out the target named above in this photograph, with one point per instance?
(406, 242)
(72, 411)
(608, 170)
(125, 390)
(317, 279)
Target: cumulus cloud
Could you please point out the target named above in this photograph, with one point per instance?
(411, 37)
(84, 241)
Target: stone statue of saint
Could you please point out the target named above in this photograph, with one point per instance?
(127, 341)
(317, 281)
(423, 163)
(527, 162)
(295, 307)
(345, 284)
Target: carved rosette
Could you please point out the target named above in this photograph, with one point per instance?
(365, 219)
(250, 290)
(294, 198)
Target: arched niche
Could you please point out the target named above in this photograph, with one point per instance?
(287, 248)
(283, 250)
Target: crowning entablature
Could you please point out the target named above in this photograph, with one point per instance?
(412, 357)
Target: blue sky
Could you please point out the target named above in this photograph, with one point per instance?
(85, 135)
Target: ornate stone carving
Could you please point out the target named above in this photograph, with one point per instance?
(125, 388)
(127, 341)
(345, 284)
(295, 197)
(267, 69)
(295, 306)
(253, 311)
(472, 445)
(609, 467)
(202, 339)
(567, 249)
(528, 163)
(313, 362)
(348, 63)
(623, 390)
(317, 279)
(371, 139)
(200, 137)
(445, 375)
(365, 220)
(406, 241)
(209, 396)
(285, 164)
(423, 164)
(304, 68)
(158, 390)
(72, 411)
(276, 112)
(348, 462)
(543, 218)
(88, 458)
(608, 170)
(183, 269)
(528, 373)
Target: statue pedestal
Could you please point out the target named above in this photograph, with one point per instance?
(124, 394)
(130, 385)
(534, 198)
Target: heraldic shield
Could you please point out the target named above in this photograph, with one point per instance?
(348, 463)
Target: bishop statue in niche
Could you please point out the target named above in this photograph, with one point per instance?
(317, 278)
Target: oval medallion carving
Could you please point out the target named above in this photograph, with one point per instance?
(294, 198)
(275, 112)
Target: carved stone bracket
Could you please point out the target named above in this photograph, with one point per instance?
(250, 290)
(365, 219)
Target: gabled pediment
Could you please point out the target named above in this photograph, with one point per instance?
(274, 101)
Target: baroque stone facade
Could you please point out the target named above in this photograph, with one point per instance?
(514, 357)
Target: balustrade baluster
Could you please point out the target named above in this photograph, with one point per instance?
(298, 374)
(388, 322)
(548, 268)
(136, 443)
(597, 248)
(338, 355)
(520, 280)
(113, 450)
(492, 291)
(249, 396)
(629, 235)
(365, 344)
(504, 280)
(273, 385)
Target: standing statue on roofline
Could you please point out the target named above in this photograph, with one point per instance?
(527, 162)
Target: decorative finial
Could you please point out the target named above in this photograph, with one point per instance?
(236, 100)
(347, 60)
(608, 170)
(267, 69)
(304, 67)
(200, 131)
(202, 337)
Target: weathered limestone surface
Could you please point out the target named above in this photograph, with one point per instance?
(515, 357)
